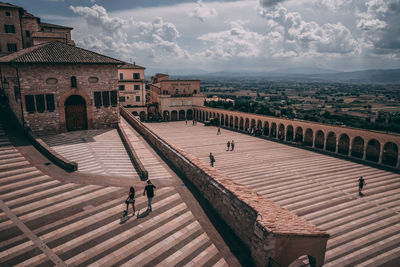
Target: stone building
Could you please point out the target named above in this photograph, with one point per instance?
(55, 87)
(20, 29)
(174, 99)
(132, 89)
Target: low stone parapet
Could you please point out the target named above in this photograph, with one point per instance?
(273, 234)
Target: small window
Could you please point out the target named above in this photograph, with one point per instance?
(40, 103)
(8, 13)
(106, 98)
(136, 87)
(73, 82)
(97, 99)
(122, 87)
(27, 33)
(9, 28)
(30, 103)
(195, 92)
(121, 76)
(122, 99)
(113, 96)
(50, 102)
(12, 47)
(136, 76)
(176, 91)
(137, 98)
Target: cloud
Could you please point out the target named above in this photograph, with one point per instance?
(270, 3)
(202, 12)
(380, 26)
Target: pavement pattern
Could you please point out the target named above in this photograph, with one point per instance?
(365, 231)
(48, 222)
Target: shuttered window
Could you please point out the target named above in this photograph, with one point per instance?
(106, 98)
(50, 102)
(40, 107)
(114, 95)
(30, 103)
(97, 99)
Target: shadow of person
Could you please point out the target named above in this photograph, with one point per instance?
(144, 214)
(124, 219)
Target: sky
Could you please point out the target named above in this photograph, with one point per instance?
(181, 36)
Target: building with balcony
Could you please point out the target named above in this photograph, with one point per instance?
(19, 29)
(173, 99)
(132, 89)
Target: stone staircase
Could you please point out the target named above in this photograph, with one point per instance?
(365, 231)
(42, 218)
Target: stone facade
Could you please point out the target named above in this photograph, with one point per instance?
(10, 16)
(269, 231)
(42, 79)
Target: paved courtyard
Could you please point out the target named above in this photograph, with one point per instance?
(365, 231)
(47, 222)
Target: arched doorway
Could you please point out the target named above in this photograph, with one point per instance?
(273, 130)
(189, 114)
(331, 142)
(174, 115)
(289, 133)
(227, 121)
(222, 120)
(241, 124)
(357, 148)
(373, 149)
(319, 139)
(236, 125)
(75, 113)
(298, 137)
(166, 115)
(281, 132)
(308, 138)
(181, 115)
(142, 116)
(266, 128)
(246, 124)
(344, 144)
(390, 154)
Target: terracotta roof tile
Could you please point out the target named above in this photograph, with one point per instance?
(58, 53)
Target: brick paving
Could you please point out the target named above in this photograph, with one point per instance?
(365, 231)
(82, 225)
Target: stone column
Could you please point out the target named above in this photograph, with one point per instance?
(337, 146)
(365, 151)
(325, 143)
(398, 161)
(380, 154)
(350, 147)
(313, 140)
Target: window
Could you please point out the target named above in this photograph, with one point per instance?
(8, 13)
(136, 87)
(114, 95)
(195, 92)
(137, 98)
(122, 87)
(122, 99)
(106, 98)
(136, 76)
(97, 99)
(30, 103)
(9, 28)
(27, 33)
(73, 82)
(40, 103)
(12, 47)
(176, 91)
(50, 102)
(121, 76)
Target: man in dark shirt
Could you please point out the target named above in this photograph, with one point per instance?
(149, 190)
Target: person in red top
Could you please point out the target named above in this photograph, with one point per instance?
(149, 190)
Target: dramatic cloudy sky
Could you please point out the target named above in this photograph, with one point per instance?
(237, 35)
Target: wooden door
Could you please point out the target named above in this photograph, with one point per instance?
(76, 117)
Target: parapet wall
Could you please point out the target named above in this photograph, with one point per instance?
(268, 230)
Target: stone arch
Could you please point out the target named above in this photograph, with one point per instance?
(298, 137)
(166, 115)
(182, 115)
(207, 114)
(252, 124)
(308, 137)
(222, 119)
(227, 121)
(357, 147)
(241, 124)
(281, 132)
(142, 116)
(247, 124)
(134, 113)
(373, 150)
(259, 125)
(390, 154)
(174, 115)
(189, 114)
(61, 108)
(236, 125)
(289, 133)
(319, 139)
(273, 130)
(331, 142)
(266, 128)
(344, 144)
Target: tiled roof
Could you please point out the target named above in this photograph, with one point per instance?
(58, 53)
(3, 4)
(130, 66)
(49, 25)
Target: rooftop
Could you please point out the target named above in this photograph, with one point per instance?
(58, 53)
(130, 66)
(49, 25)
(3, 4)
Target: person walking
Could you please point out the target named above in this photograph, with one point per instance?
(228, 145)
(361, 183)
(219, 131)
(212, 160)
(130, 199)
(232, 145)
(149, 190)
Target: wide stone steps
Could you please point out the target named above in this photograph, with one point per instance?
(320, 188)
(83, 224)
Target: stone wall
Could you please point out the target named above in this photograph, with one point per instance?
(6, 38)
(262, 225)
